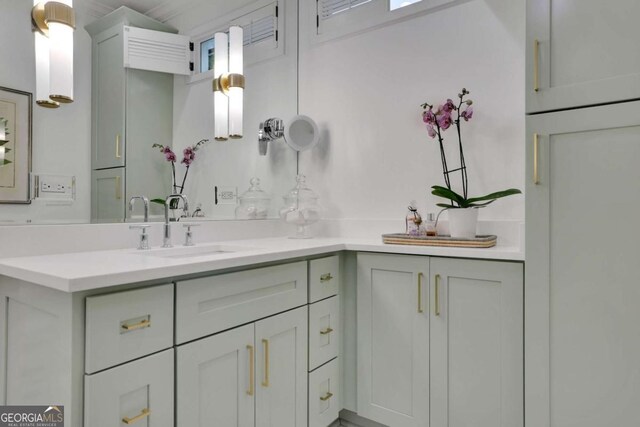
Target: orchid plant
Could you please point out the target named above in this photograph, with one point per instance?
(439, 120)
(188, 157)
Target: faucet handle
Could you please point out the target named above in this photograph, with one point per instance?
(143, 244)
(188, 235)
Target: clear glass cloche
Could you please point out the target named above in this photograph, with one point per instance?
(254, 203)
(301, 208)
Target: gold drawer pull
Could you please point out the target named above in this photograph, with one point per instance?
(118, 155)
(146, 323)
(118, 187)
(437, 295)
(252, 369)
(326, 331)
(326, 278)
(265, 345)
(420, 309)
(536, 160)
(327, 396)
(536, 65)
(144, 413)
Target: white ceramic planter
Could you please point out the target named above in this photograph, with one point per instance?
(463, 223)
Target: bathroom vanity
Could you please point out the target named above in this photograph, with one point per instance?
(269, 332)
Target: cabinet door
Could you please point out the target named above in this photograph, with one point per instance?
(476, 343)
(107, 195)
(139, 392)
(281, 369)
(393, 339)
(215, 384)
(581, 52)
(582, 295)
(108, 100)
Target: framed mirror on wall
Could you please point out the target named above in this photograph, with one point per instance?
(100, 148)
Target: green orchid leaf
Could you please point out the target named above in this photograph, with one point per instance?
(496, 195)
(7, 150)
(6, 162)
(480, 205)
(158, 201)
(448, 194)
(445, 206)
(3, 141)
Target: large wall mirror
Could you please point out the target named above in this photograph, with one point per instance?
(88, 158)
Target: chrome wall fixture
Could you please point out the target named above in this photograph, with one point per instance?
(228, 86)
(300, 134)
(54, 23)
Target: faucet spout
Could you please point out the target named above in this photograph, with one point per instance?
(167, 227)
(145, 200)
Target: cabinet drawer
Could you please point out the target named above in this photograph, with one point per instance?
(126, 325)
(212, 304)
(139, 392)
(324, 395)
(324, 331)
(324, 277)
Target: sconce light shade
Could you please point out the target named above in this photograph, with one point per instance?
(221, 102)
(54, 23)
(228, 86)
(236, 93)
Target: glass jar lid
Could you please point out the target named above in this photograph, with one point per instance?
(301, 192)
(254, 193)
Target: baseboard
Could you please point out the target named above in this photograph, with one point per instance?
(351, 419)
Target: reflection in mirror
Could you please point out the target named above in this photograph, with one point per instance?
(101, 147)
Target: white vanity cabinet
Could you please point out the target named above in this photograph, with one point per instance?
(581, 52)
(439, 341)
(254, 375)
(139, 392)
(582, 295)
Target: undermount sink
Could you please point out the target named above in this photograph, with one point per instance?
(193, 251)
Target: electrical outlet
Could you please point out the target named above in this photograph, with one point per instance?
(58, 187)
(226, 195)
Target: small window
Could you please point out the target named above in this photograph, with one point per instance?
(397, 4)
(206, 55)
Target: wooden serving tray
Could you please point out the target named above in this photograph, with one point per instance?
(485, 241)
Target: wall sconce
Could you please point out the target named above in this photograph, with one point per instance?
(228, 86)
(53, 23)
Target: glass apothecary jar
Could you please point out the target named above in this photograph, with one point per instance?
(301, 208)
(254, 203)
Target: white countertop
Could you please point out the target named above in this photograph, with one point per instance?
(71, 272)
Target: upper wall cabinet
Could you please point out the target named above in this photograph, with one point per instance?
(581, 52)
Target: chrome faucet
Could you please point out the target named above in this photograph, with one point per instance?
(167, 227)
(145, 200)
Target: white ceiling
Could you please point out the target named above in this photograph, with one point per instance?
(162, 10)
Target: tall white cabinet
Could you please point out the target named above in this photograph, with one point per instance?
(440, 341)
(581, 52)
(131, 110)
(582, 293)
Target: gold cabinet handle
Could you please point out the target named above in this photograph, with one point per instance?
(326, 278)
(118, 155)
(118, 188)
(536, 147)
(252, 369)
(326, 331)
(146, 323)
(265, 346)
(536, 65)
(437, 296)
(326, 397)
(144, 413)
(420, 309)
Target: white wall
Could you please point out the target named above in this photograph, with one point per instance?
(270, 92)
(365, 90)
(61, 137)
